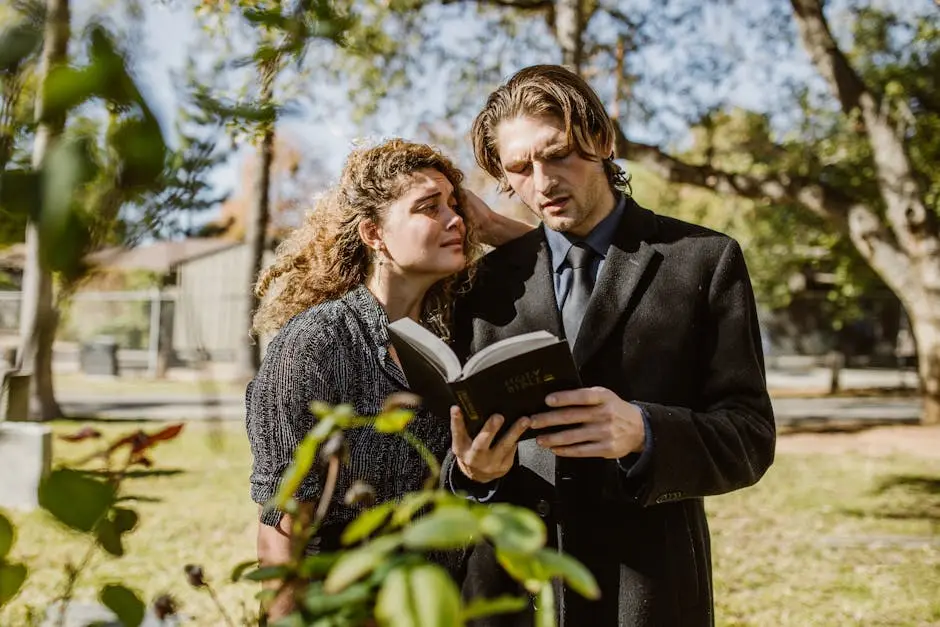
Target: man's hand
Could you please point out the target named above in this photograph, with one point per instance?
(491, 228)
(603, 424)
(476, 459)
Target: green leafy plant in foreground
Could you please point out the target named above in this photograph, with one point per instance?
(91, 502)
(383, 574)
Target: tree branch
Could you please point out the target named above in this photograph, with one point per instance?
(914, 226)
(517, 4)
(822, 200)
(854, 219)
(825, 54)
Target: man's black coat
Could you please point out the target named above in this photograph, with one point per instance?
(671, 326)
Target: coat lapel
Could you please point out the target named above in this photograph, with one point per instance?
(628, 260)
(537, 307)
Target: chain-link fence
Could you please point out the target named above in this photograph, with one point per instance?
(135, 322)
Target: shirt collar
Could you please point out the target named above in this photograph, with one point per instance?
(599, 239)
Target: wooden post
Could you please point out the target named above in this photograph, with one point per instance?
(836, 362)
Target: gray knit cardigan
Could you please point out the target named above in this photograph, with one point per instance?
(335, 352)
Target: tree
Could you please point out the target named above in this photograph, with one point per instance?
(37, 313)
(796, 261)
(885, 89)
(79, 180)
(184, 189)
(17, 95)
(890, 210)
(281, 32)
(295, 179)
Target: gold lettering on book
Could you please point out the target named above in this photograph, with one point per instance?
(467, 405)
(522, 381)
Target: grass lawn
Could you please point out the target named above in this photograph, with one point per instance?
(825, 539)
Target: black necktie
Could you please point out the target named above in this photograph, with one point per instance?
(572, 311)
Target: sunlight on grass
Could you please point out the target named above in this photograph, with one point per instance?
(822, 540)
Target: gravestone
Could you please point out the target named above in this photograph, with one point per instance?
(14, 397)
(99, 357)
(25, 458)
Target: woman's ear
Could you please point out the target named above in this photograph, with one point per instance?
(371, 234)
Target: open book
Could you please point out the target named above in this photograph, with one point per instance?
(511, 377)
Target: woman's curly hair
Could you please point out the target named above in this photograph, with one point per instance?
(325, 257)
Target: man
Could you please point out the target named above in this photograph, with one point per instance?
(661, 319)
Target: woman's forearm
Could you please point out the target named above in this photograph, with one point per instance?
(274, 548)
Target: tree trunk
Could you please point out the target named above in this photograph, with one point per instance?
(570, 23)
(913, 270)
(903, 247)
(925, 324)
(256, 227)
(38, 317)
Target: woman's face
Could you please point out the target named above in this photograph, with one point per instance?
(421, 231)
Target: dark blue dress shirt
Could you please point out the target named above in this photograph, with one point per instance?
(599, 239)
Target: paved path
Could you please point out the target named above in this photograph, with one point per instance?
(169, 407)
(231, 407)
(793, 410)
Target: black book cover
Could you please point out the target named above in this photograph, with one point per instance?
(515, 387)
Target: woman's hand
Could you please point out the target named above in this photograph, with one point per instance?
(492, 228)
(478, 460)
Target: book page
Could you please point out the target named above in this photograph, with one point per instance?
(429, 345)
(507, 349)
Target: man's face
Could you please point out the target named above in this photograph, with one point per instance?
(568, 192)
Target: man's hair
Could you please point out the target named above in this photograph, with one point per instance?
(548, 91)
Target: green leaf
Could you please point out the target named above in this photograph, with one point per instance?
(142, 151)
(410, 504)
(419, 596)
(109, 538)
(524, 568)
(574, 572)
(12, 577)
(304, 456)
(124, 519)
(359, 562)
(17, 44)
(291, 620)
(534, 569)
(240, 569)
(265, 17)
(20, 193)
(266, 573)
(444, 528)
(67, 87)
(480, 607)
(545, 606)
(75, 499)
(64, 235)
(367, 522)
(393, 421)
(124, 603)
(108, 66)
(318, 602)
(513, 528)
(318, 565)
(7, 534)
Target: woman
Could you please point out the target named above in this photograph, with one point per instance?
(388, 241)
